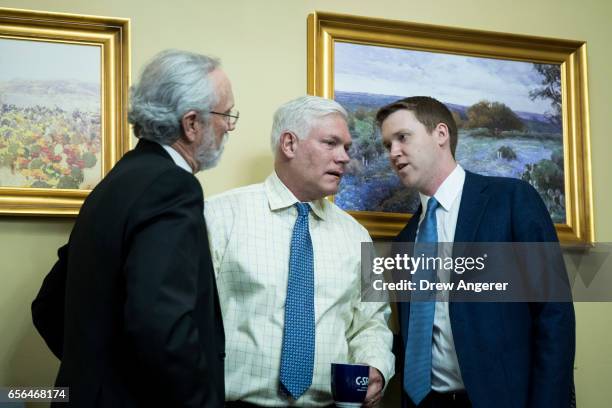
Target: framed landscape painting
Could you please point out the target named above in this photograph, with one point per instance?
(63, 87)
(520, 104)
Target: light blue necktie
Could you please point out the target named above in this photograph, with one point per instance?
(417, 361)
(297, 358)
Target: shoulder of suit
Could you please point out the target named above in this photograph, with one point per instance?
(500, 184)
(148, 168)
(176, 181)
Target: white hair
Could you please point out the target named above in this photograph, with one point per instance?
(171, 84)
(300, 115)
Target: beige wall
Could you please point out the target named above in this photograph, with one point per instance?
(263, 47)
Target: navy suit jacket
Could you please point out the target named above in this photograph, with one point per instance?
(510, 354)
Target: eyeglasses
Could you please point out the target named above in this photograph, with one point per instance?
(232, 116)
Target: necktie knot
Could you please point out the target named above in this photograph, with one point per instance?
(302, 209)
(432, 204)
(428, 228)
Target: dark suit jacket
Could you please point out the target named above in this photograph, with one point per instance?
(131, 307)
(510, 354)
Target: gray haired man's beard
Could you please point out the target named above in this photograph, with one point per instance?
(208, 154)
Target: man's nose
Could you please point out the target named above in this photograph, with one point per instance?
(343, 156)
(394, 150)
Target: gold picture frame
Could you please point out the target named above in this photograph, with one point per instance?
(64, 108)
(327, 31)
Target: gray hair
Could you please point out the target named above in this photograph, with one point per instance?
(300, 114)
(171, 84)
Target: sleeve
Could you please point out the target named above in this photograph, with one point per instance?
(554, 326)
(48, 306)
(369, 337)
(162, 271)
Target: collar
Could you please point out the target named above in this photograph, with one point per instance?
(280, 197)
(449, 190)
(177, 158)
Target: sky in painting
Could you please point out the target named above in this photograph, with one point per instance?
(39, 60)
(450, 78)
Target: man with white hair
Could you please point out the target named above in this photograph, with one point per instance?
(131, 307)
(287, 263)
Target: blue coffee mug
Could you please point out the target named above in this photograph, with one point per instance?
(349, 384)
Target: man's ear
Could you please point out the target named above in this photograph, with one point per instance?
(442, 134)
(189, 123)
(288, 144)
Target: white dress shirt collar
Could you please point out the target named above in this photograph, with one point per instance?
(448, 191)
(279, 197)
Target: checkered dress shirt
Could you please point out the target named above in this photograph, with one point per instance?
(250, 232)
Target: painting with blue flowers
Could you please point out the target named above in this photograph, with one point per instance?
(508, 115)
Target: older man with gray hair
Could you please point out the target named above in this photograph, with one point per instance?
(131, 308)
(287, 263)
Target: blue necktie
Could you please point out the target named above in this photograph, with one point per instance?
(417, 361)
(297, 358)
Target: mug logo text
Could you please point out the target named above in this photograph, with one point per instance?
(362, 380)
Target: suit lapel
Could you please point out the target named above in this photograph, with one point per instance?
(471, 210)
(473, 204)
